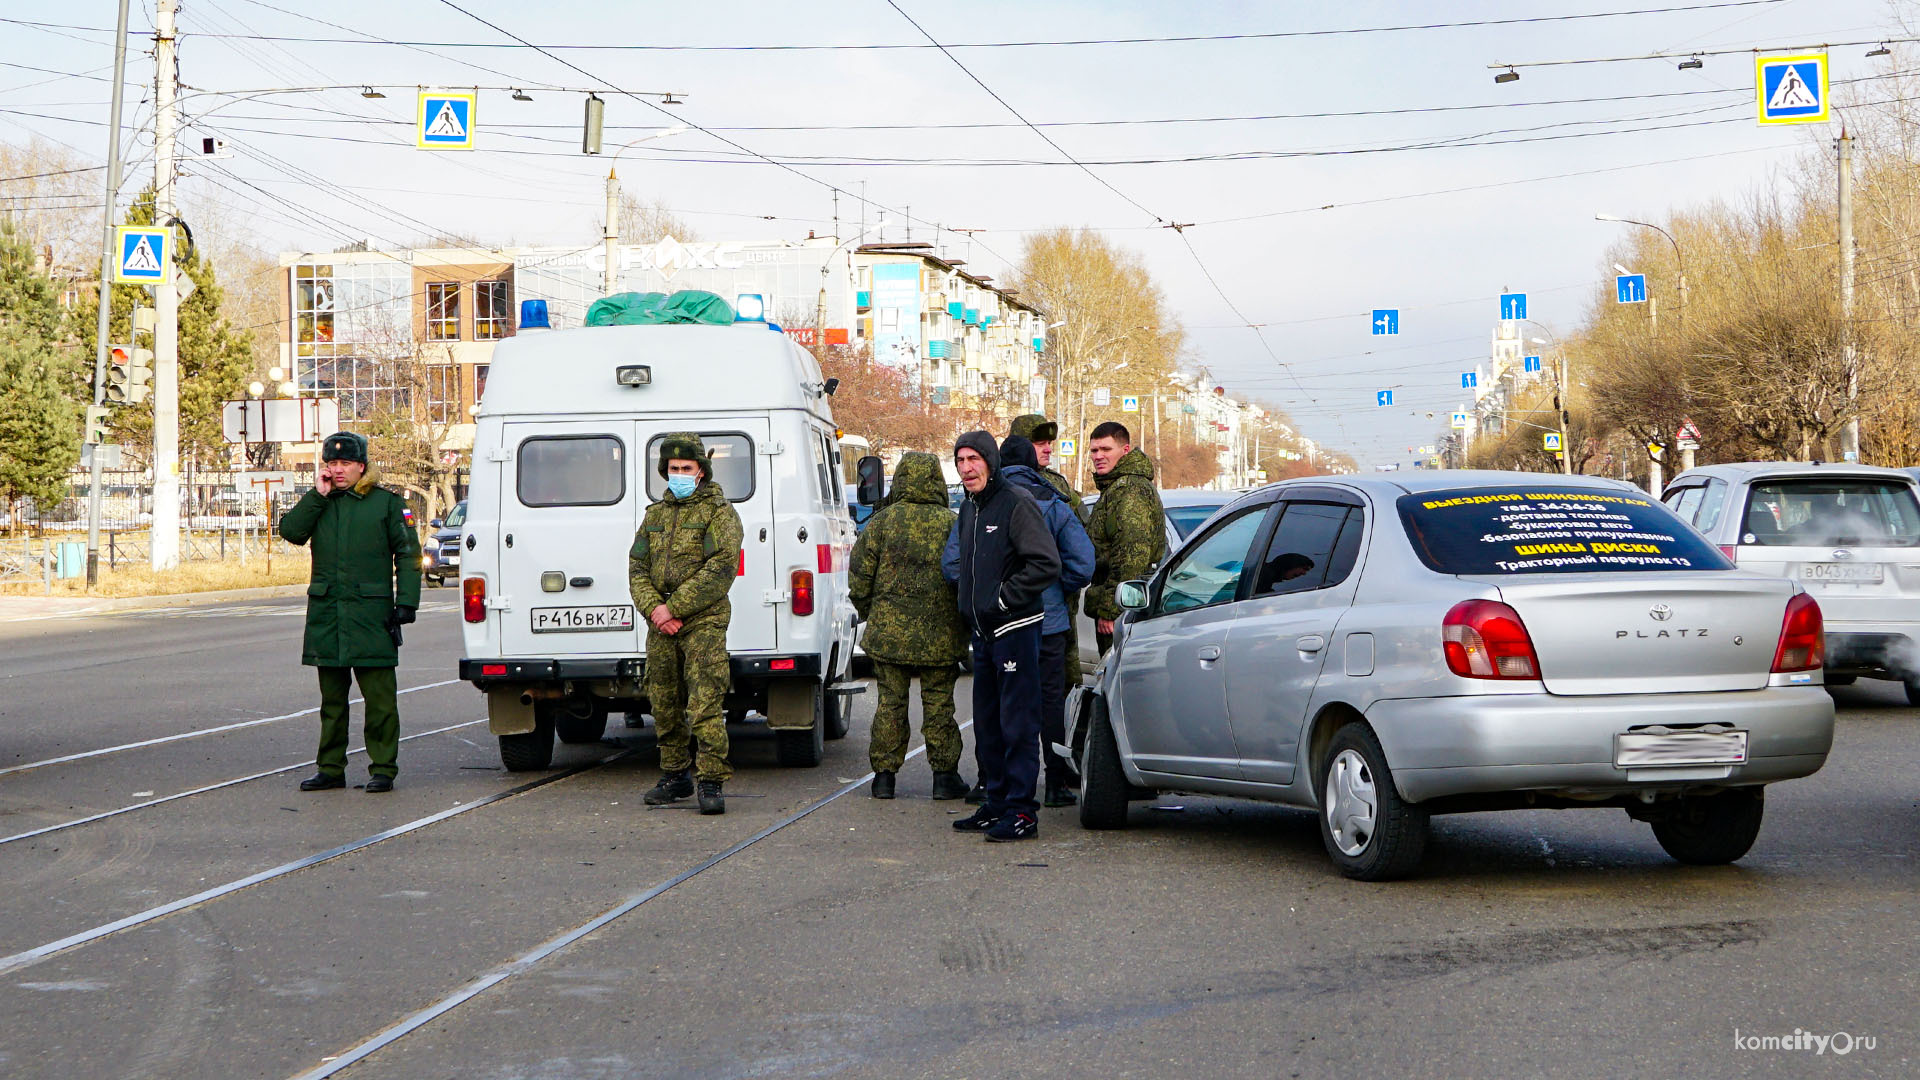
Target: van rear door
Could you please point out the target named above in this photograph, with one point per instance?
(739, 447)
(569, 505)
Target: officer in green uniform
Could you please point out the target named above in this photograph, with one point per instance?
(1042, 432)
(682, 564)
(1128, 526)
(365, 586)
(913, 624)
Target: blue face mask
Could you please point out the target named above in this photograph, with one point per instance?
(682, 486)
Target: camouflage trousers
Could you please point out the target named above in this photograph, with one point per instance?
(887, 744)
(687, 678)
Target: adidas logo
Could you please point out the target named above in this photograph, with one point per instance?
(1010, 666)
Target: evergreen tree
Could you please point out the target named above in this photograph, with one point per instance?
(214, 358)
(39, 386)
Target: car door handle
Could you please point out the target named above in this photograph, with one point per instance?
(1208, 653)
(1310, 643)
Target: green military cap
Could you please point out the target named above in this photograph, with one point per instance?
(684, 446)
(1035, 428)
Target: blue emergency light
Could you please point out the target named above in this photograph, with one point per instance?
(533, 315)
(750, 307)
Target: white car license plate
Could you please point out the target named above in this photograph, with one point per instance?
(450, 560)
(1861, 573)
(1637, 748)
(563, 620)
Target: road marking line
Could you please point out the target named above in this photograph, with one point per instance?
(30, 957)
(83, 755)
(211, 787)
(540, 952)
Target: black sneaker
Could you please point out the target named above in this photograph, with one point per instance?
(1060, 795)
(977, 796)
(883, 785)
(981, 821)
(672, 787)
(711, 801)
(1015, 826)
(948, 786)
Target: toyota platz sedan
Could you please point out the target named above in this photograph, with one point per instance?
(1381, 650)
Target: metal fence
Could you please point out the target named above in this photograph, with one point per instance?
(215, 521)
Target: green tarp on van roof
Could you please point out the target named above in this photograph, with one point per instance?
(656, 309)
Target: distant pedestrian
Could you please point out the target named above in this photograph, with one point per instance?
(1128, 524)
(1002, 557)
(1021, 467)
(680, 570)
(913, 627)
(365, 585)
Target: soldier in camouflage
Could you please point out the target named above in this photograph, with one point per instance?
(1042, 432)
(1128, 526)
(681, 566)
(913, 624)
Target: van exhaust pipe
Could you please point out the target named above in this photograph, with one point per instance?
(541, 693)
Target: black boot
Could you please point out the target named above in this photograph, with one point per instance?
(883, 785)
(672, 787)
(711, 801)
(1059, 794)
(977, 795)
(948, 786)
(322, 782)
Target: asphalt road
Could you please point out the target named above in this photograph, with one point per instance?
(566, 930)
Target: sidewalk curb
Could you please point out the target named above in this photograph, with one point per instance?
(42, 606)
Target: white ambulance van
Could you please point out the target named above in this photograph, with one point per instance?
(565, 462)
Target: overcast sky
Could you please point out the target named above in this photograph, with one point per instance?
(1298, 232)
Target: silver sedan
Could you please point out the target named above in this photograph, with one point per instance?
(1381, 650)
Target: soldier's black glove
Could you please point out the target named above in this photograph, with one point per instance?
(402, 615)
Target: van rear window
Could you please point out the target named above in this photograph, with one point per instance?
(571, 470)
(1540, 530)
(731, 453)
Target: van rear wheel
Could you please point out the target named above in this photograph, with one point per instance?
(530, 751)
(834, 716)
(786, 702)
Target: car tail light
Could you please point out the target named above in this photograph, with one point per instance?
(803, 592)
(1485, 639)
(473, 597)
(823, 556)
(493, 669)
(1803, 638)
(1732, 553)
(781, 665)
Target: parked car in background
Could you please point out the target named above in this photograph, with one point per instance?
(440, 555)
(1187, 509)
(1382, 649)
(1849, 534)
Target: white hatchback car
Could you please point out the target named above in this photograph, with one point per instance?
(1849, 534)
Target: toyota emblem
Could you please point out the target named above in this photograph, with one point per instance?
(1660, 612)
(1842, 553)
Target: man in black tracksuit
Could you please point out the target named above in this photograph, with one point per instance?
(1002, 556)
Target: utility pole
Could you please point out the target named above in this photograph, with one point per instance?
(1850, 436)
(1560, 406)
(611, 235)
(107, 256)
(165, 544)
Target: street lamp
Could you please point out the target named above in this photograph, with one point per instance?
(611, 233)
(1679, 261)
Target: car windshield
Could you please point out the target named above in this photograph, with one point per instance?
(455, 517)
(1843, 511)
(1188, 518)
(1538, 530)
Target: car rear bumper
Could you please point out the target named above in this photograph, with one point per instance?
(484, 673)
(1540, 742)
(1870, 648)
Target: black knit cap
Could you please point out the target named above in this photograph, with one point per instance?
(344, 446)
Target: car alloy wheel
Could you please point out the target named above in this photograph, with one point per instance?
(1351, 802)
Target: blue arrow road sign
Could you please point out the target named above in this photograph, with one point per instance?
(1530, 363)
(1469, 380)
(1513, 306)
(1630, 289)
(1386, 321)
(1382, 397)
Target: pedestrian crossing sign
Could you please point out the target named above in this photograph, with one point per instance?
(142, 253)
(1791, 89)
(445, 120)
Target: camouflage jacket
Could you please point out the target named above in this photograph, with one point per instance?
(1129, 531)
(1066, 491)
(911, 614)
(686, 555)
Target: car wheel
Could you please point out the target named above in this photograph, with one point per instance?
(576, 729)
(1712, 830)
(803, 747)
(1913, 691)
(531, 751)
(1103, 785)
(836, 716)
(1369, 831)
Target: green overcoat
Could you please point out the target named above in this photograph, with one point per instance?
(909, 607)
(366, 560)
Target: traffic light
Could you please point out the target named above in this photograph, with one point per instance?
(96, 425)
(129, 371)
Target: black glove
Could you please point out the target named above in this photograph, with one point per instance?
(402, 615)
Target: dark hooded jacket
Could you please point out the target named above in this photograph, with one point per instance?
(896, 579)
(1003, 555)
(1021, 468)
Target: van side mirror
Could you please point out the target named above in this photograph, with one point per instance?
(873, 480)
(1131, 595)
(830, 386)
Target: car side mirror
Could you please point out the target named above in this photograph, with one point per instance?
(1132, 595)
(873, 480)
(434, 524)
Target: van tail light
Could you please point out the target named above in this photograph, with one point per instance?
(741, 570)
(1485, 639)
(1803, 638)
(803, 592)
(823, 555)
(473, 599)
(1732, 553)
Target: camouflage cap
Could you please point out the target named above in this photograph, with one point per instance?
(344, 446)
(685, 446)
(1034, 428)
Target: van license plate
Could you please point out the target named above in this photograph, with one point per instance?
(1680, 748)
(1862, 573)
(565, 620)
